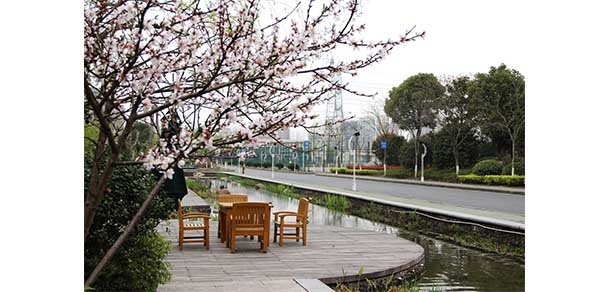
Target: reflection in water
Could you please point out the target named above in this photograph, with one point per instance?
(448, 267)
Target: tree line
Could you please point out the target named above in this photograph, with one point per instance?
(461, 119)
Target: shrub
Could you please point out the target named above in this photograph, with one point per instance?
(393, 148)
(344, 170)
(375, 167)
(443, 158)
(279, 165)
(488, 167)
(407, 152)
(139, 265)
(266, 164)
(292, 166)
(507, 180)
(519, 168)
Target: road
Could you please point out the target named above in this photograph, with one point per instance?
(513, 204)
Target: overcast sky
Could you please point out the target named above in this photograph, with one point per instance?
(462, 37)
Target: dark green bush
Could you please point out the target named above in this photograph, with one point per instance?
(443, 158)
(506, 180)
(139, 265)
(488, 167)
(279, 165)
(292, 166)
(267, 164)
(393, 148)
(407, 152)
(519, 168)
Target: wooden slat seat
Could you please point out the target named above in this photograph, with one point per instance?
(301, 220)
(185, 222)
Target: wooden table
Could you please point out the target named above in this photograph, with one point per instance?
(224, 212)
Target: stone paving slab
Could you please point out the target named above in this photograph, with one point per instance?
(330, 252)
(195, 202)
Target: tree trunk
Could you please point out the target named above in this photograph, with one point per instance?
(457, 161)
(117, 244)
(512, 163)
(416, 157)
(97, 183)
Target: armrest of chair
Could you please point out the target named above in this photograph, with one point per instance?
(282, 216)
(275, 214)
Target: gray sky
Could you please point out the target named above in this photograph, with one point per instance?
(462, 37)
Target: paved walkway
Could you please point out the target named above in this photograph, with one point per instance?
(195, 203)
(332, 254)
(500, 209)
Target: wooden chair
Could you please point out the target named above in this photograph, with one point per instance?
(230, 198)
(250, 218)
(299, 223)
(189, 225)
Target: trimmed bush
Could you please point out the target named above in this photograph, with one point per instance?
(278, 165)
(488, 167)
(139, 265)
(344, 170)
(519, 168)
(292, 166)
(375, 167)
(393, 148)
(505, 180)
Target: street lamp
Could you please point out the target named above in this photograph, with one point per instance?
(336, 160)
(422, 161)
(272, 160)
(349, 144)
(295, 156)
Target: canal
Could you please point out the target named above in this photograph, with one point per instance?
(449, 267)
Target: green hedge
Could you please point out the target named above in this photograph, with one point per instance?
(488, 167)
(292, 166)
(519, 168)
(506, 180)
(344, 170)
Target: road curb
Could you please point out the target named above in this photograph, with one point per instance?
(432, 184)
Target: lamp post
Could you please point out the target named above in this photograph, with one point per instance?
(295, 156)
(272, 160)
(349, 144)
(422, 161)
(336, 160)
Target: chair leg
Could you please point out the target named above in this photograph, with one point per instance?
(232, 243)
(207, 238)
(297, 233)
(265, 243)
(305, 234)
(181, 238)
(274, 233)
(281, 235)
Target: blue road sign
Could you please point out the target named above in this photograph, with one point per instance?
(384, 145)
(306, 145)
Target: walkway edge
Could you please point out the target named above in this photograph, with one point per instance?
(433, 184)
(464, 216)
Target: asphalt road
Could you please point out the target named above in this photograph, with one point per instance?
(492, 201)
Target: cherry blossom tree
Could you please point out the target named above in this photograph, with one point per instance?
(221, 68)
